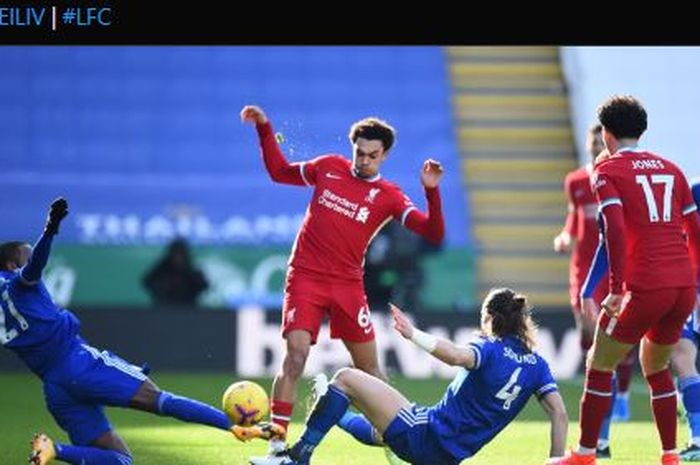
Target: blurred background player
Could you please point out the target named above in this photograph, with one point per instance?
(648, 212)
(393, 267)
(174, 279)
(580, 237)
(580, 233)
(684, 359)
(78, 379)
(499, 373)
(351, 202)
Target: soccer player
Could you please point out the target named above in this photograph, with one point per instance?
(499, 372)
(683, 359)
(78, 379)
(650, 224)
(580, 237)
(351, 202)
(580, 233)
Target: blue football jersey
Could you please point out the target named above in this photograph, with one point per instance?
(32, 325)
(695, 187)
(480, 402)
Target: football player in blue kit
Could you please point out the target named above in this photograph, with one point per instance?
(500, 371)
(78, 379)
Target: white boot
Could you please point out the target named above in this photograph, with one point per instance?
(276, 455)
(319, 385)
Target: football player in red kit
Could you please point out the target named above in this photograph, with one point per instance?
(652, 235)
(580, 237)
(351, 202)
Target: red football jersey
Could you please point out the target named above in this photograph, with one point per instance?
(581, 223)
(654, 196)
(345, 212)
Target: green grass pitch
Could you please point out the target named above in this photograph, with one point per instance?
(163, 441)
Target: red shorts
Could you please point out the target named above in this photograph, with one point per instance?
(308, 300)
(658, 314)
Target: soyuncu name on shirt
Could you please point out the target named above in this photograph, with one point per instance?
(524, 358)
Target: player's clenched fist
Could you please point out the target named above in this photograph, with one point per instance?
(253, 114)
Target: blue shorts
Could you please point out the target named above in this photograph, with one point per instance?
(80, 385)
(410, 437)
(690, 330)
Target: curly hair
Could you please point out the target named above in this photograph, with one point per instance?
(510, 315)
(623, 116)
(373, 128)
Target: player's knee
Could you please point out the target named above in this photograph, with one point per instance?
(344, 378)
(588, 360)
(601, 364)
(651, 365)
(683, 362)
(147, 398)
(375, 371)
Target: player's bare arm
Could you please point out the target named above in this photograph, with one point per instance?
(440, 348)
(277, 166)
(553, 405)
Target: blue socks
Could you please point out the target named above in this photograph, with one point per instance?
(690, 389)
(359, 427)
(329, 409)
(80, 455)
(169, 405)
(192, 411)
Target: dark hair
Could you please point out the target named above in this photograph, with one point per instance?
(594, 134)
(595, 129)
(373, 128)
(510, 315)
(623, 116)
(10, 252)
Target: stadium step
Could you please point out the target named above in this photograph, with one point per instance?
(527, 270)
(495, 203)
(475, 108)
(516, 144)
(484, 171)
(475, 137)
(513, 54)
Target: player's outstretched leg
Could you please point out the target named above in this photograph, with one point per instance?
(44, 450)
(150, 398)
(352, 423)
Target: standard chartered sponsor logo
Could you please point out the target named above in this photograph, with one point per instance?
(342, 201)
(335, 207)
(343, 206)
